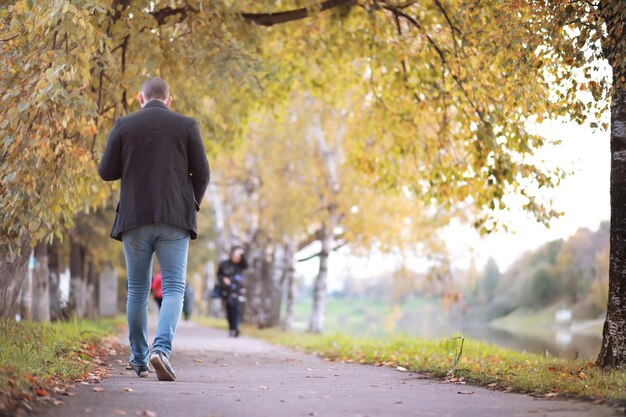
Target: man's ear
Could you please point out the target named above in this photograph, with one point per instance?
(141, 99)
(168, 102)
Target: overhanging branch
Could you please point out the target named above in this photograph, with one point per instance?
(270, 19)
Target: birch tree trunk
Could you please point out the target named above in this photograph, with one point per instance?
(289, 282)
(41, 287)
(330, 159)
(26, 292)
(12, 274)
(613, 350)
(316, 324)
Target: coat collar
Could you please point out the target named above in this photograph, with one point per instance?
(154, 103)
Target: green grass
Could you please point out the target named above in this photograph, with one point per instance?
(35, 355)
(479, 363)
(352, 315)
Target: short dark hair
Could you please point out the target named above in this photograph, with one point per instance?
(155, 88)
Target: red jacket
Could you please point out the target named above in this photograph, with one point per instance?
(157, 290)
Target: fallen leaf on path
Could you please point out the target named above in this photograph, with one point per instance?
(399, 402)
(41, 392)
(401, 369)
(309, 369)
(148, 413)
(128, 389)
(98, 389)
(552, 394)
(264, 387)
(465, 392)
(119, 412)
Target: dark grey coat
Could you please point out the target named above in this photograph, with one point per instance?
(160, 158)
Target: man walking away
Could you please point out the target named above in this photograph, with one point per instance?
(160, 159)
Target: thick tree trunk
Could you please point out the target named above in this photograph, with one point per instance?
(41, 289)
(316, 324)
(54, 272)
(271, 296)
(613, 351)
(12, 273)
(253, 279)
(91, 291)
(289, 283)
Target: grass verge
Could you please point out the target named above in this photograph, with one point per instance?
(37, 359)
(477, 362)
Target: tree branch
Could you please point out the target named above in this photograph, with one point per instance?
(270, 19)
(10, 38)
(161, 15)
(315, 255)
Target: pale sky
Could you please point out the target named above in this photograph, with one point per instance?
(582, 196)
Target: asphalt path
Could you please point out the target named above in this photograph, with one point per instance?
(218, 376)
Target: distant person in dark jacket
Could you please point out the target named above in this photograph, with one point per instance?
(232, 287)
(160, 159)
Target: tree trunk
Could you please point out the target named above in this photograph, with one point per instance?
(271, 297)
(41, 289)
(613, 351)
(316, 324)
(91, 291)
(289, 283)
(26, 292)
(12, 273)
(77, 301)
(54, 272)
(330, 157)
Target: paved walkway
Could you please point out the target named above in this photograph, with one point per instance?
(223, 377)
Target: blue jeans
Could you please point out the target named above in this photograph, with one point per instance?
(170, 244)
